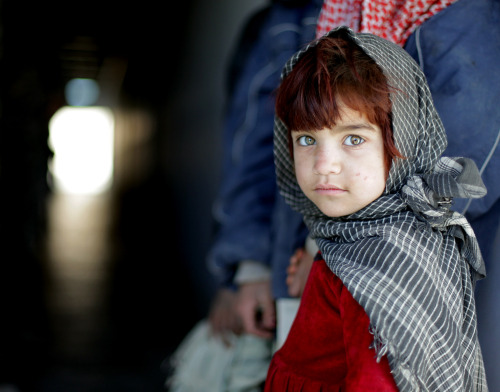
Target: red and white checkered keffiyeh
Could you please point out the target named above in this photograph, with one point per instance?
(393, 20)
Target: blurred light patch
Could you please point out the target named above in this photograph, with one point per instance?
(82, 140)
(81, 92)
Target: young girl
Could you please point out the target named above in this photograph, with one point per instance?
(389, 304)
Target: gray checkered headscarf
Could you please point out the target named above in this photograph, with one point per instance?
(407, 258)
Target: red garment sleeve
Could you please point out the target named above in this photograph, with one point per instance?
(364, 374)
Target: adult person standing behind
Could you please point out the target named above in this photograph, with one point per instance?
(246, 246)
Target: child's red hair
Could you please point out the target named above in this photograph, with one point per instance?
(335, 72)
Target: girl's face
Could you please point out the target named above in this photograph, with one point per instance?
(341, 169)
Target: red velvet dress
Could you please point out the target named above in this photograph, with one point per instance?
(327, 348)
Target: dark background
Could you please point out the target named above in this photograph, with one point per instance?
(76, 316)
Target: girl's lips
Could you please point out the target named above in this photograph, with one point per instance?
(328, 190)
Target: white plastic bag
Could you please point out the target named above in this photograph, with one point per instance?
(203, 363)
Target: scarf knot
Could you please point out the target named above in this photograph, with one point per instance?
(430, 196)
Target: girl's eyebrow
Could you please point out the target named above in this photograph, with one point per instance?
(355, 126)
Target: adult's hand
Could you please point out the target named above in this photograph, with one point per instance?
(255, 305)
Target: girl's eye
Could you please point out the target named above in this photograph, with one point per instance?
(353, 140)
(306, 140)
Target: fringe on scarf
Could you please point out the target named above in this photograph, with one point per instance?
(383, 347)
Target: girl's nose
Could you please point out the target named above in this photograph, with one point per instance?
(326, 162)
